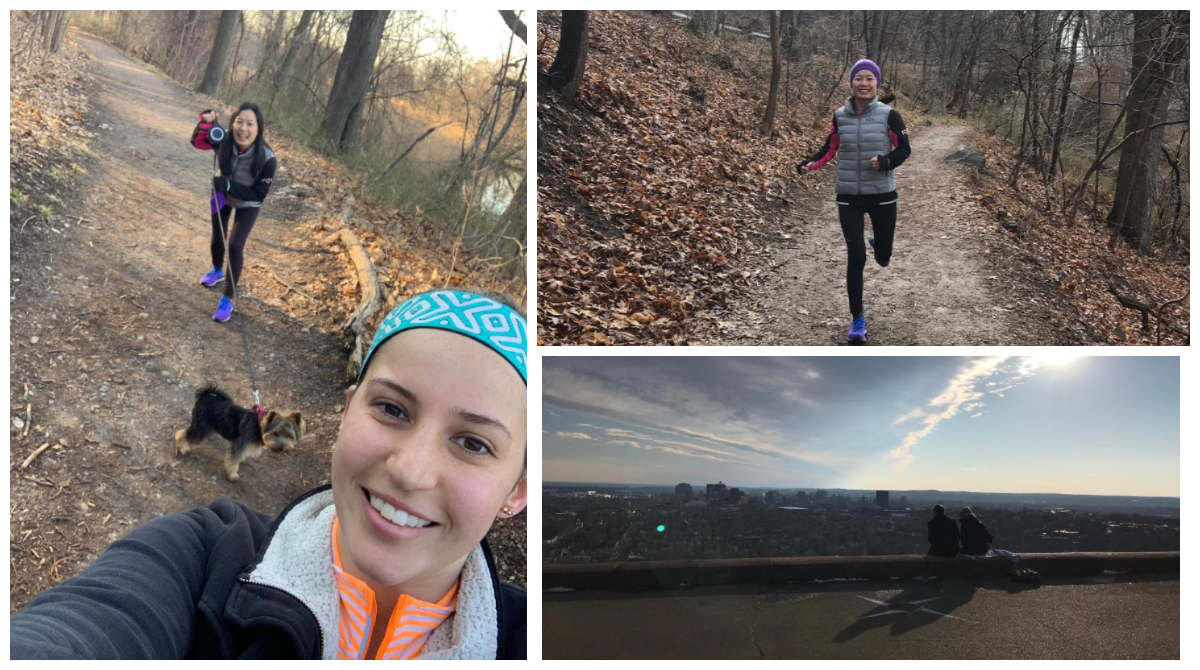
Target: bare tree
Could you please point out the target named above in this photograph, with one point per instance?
(1157, 48)
(289, 58)
(220, 52)
(343, 112)
(1056, 141)
(874, 23)
(768, 122)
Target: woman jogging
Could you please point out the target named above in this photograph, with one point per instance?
(388, 561)
(247, 167)
(873, 142)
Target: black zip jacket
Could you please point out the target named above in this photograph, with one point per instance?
(975, 536)
(943, 536)
(205, 583)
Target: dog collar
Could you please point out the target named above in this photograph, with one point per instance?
(260, 411)
(484, 320)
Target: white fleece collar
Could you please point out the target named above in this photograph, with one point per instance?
(299, 560)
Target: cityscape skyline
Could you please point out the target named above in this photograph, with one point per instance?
(1046, 424)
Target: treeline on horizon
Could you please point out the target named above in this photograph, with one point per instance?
(911, 493)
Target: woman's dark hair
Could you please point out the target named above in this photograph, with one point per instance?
(939, 510)
(225, 149)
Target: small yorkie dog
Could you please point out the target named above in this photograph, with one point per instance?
(249, 431)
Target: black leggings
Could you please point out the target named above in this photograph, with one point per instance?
(883, 222)
(246, 216)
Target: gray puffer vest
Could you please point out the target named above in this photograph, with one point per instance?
(860, 139)
(241, 172)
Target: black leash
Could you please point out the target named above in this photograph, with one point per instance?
(229, 278)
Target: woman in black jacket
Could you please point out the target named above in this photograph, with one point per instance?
(246, 170)
(390, 561)
(975, 536)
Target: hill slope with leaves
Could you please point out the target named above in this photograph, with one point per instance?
(653, 186)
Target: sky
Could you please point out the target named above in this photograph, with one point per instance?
(483, 32)
(1102, 425)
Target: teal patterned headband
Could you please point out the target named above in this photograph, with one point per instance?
(481, 319)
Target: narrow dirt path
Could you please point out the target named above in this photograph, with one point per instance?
(950, 281)
(111, 333)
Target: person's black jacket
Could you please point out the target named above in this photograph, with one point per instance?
(943, 536)
(975, 536)
(224, 581)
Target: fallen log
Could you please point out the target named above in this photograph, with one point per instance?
(372, 298)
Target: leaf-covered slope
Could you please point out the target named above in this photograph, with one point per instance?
(652, 184)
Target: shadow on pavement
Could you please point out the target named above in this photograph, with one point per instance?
(910, 609)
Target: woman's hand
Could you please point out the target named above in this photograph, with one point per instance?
(805, 168)
(221, 184)
(209, 116)
(876, 163)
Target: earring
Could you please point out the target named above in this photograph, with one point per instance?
(506, 511)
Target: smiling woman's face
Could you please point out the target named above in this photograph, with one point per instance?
(245, 129)
(864, 85)
(436, 429)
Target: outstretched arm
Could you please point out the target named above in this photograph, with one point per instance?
(138, 600)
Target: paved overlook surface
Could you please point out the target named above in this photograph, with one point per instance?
(1112, 617)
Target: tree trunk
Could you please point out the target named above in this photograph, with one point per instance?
(789, 38)
(768, 122)
(566, 72)
(1154, 56)
(343, 114)
(515, 217)
(514, 22)
(272, 46)
(873, 28)
(60, 27)
(1062, 103)
(289, 58)
(211, 83)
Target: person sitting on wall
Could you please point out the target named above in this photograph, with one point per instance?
(975, 541)
(943, 534)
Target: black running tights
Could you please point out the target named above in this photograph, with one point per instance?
(883, 223)
(246, 216)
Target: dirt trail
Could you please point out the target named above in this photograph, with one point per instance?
(950, 282)
(111, 332)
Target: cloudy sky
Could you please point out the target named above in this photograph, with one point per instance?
(1099, 425)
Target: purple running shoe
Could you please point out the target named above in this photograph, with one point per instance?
(858, 330)
(213, 278)
(224, 310)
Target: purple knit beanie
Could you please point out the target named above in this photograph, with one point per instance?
(866, 64)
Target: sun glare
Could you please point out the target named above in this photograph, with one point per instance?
(1057, 360)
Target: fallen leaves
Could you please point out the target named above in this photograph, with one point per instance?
(649, 195)
(1075, 258)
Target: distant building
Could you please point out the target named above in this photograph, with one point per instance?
(716, 491)
(736, 495)
(881, 499)
(822, 495)
(683, 492)
(904, 500)
(772, 497)
(801, 496)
